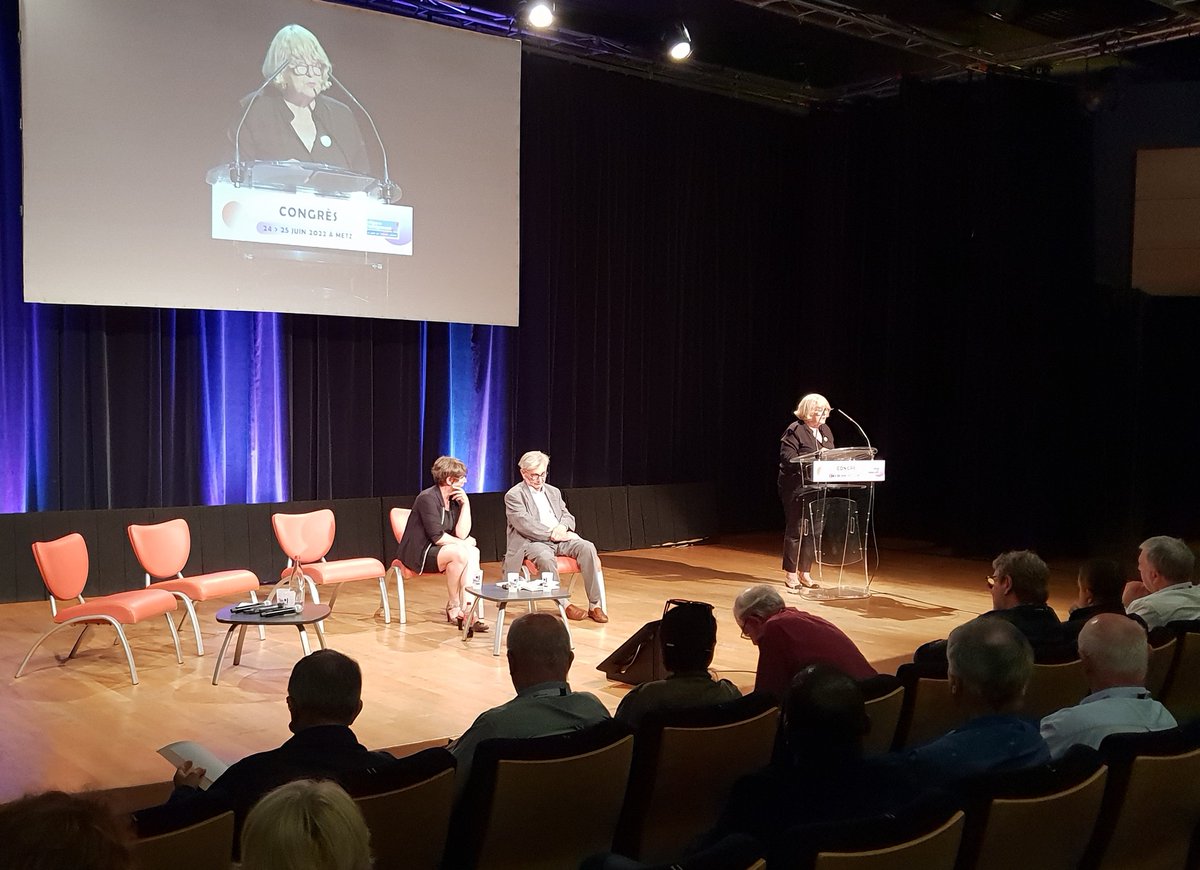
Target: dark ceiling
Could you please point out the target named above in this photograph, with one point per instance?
(800, 52)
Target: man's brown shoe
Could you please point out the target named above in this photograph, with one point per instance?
(597, 615)
(576, 613)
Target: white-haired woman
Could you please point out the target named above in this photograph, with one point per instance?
(293, 119)
(807, 435)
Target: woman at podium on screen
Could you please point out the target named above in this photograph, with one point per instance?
(291, 118)
(804, 437)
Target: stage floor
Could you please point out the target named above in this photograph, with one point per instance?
(81, 725)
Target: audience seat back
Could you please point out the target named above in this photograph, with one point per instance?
(1181, 690)
(543, 802)
(928, 709)
(935, 850)
(684, 764)
(1162, 658)
(206, 845)
(409, 825)
(1053, 687)
(1052, 830)
(1151, 803)
(885, 701)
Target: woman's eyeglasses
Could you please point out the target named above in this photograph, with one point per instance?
(304, 69)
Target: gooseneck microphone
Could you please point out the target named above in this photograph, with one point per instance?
(388, 190)
(237, 172)
(860, 428)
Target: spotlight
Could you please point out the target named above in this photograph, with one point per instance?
(679, 43)
(539, 14)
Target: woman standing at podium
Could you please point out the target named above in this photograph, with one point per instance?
(807, 435)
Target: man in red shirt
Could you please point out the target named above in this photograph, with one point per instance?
(790, 640)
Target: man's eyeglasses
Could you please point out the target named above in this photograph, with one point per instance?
(683, 602)
(532, 475)
(304, 69)
(992, 581)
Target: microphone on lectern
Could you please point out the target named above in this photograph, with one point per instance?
(237, 172)
(860, 428)
(389, 190)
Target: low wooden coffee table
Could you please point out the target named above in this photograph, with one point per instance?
(239, 622)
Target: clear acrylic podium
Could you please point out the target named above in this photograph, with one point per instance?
(840, 524)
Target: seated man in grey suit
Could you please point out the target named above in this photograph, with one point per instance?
(541, 528)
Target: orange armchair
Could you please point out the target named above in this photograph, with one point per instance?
(162, 549)
(63, 564)
(306, 539)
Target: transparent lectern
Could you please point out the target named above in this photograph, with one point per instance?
(841, 518)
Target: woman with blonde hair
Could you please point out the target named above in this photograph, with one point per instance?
(306, 825)
(806, 436)
(293, 119)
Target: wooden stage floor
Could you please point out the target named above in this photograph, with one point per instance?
(82, 725)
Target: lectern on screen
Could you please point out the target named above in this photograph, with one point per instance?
(269, 155)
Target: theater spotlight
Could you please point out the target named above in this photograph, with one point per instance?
(539, 13)
(679, 43)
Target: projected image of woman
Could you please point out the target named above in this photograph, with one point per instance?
(806, 436)
(292, 119)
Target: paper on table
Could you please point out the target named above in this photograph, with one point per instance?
(186, 750)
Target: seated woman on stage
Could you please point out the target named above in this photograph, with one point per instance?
(438, 535)
(807, 435)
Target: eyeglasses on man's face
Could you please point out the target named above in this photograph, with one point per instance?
(530, 474)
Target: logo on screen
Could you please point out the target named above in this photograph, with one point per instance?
(383, 229)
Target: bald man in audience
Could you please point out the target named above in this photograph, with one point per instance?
(539, 658)
(1115, 657)
(1164, 591)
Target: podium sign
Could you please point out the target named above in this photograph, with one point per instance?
(354, 223)
(855, 471)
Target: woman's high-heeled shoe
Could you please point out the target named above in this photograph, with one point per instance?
(455, 616)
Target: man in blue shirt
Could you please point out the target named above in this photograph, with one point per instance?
(990, 664)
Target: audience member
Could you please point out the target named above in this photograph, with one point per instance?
(324, 698)
(541, 528)
(822, 776)
(539, 658)
(1100, 586)
(789, 640)
(688, 633)
(1165, 591)
(1115, 656)
(1019, 589)
(306, 825)
(58, 831)
(990, 664)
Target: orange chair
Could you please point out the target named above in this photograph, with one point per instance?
(162, 549)
(63, 564)
(399, 519)
(305, 539)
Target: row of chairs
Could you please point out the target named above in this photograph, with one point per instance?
(551, 802)
(163, 550)
(915, 706)
(1133, 805)
(544, 802)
